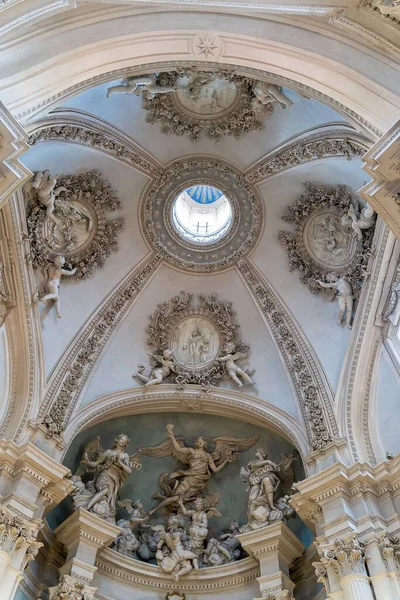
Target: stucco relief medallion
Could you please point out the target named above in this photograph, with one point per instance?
(68, 217)
(328, 242)
(216, 96)
(195, 342)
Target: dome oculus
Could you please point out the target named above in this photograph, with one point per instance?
(201, 214)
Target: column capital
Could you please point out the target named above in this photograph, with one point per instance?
(346, 556)
(71, 588)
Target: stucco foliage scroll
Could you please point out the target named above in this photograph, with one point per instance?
(77, 227)
(324, 241)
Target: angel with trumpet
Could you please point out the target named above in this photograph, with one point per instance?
(187, 484)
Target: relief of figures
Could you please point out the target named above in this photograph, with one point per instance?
(184, 485)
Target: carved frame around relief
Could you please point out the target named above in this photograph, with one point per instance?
(325, 206)
(236, 122)
(82, 202)
(170, 315)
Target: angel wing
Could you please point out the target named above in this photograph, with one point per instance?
(228, 448)
(286, 471)
(93, 450)
(166, 448)
(213, 512)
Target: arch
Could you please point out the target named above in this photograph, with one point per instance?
(164, 399)
(35, 84)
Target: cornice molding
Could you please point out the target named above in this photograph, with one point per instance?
(13, 143)
(143, 575)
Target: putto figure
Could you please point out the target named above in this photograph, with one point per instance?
(145, 85)
(111, 469)
(43, 189)
(172, 556)
(344, 295)
(232, 369)
(52, 280)
(187, 484)
(165, 365)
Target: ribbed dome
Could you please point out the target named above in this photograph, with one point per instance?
(204, 194)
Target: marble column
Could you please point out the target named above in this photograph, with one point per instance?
(83, 534)
(275, 547)
(31, 482)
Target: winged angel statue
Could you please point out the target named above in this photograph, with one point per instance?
(186, 484)
(111, 469)
(265, 479)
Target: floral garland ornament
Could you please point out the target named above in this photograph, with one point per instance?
(196, 344)
(327, 243)
(70, 221)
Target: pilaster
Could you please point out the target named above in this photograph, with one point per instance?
(275, 547)
(83, 534)
(30, 483)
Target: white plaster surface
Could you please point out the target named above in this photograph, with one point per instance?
(388, 405)
(128, 346)
(126, 113)
(315, 314)
(79, 299)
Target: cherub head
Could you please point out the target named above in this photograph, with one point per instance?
(59, 261)
(229, 347)
(168, 354)
(121, 441)
(198, 503)
(138, 504)
(200, 443)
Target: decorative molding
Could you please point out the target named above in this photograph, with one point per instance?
(71, 376)
(34, 15)
(13, 143)
(312, 389)
(143, 575)
(332, 143)
(83, 198)
(155, 210)
(79, 128)
(326, 207)
(379, 41)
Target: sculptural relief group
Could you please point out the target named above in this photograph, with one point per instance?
(174, 533)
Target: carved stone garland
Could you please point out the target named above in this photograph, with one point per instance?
(78, 228)
(177, 319)
(236, 120)
(321, 243)
(309, 386)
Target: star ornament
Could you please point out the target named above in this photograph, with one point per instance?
(206, 46)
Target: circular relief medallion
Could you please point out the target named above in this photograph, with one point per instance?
(327, 241)
(195, 342)
(70, 229)
(161, 228)
(212, 96)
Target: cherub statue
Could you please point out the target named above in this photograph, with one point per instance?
(171, 554)
(186, 484)
(266, 93)
(111, 469)
(344, 295)
(198, 529)
(166, 366)
(365, 219)
(52, 274)
(145, 85)
(127, 543)
(264, 477)
(136, 512)
(232, 369)
(43, 188)
(225, 549)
